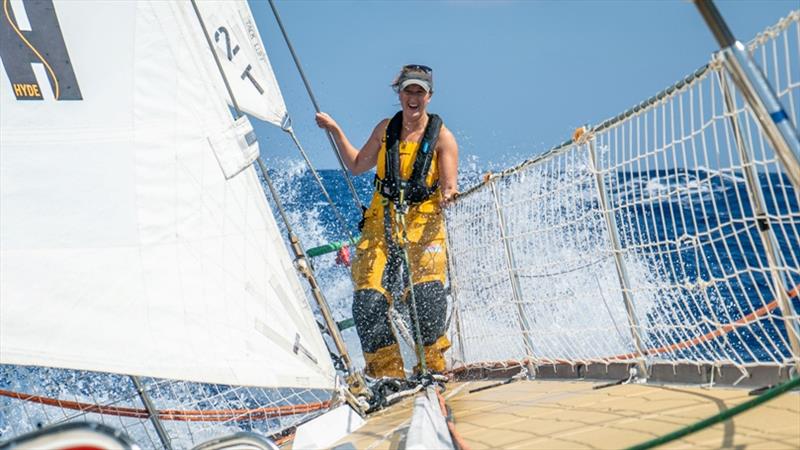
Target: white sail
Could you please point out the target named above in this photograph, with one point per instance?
(131, 239)
(242, 56)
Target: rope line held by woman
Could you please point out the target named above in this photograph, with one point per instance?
(343, 224)
(336, 150)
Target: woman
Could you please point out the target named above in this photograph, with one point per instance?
(417, 170)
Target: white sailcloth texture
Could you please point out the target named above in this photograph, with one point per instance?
(241, 53)
(131, 241)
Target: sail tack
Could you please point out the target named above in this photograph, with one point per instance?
(134, 234)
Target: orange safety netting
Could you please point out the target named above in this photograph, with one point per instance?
(721, 330)
(222, 415)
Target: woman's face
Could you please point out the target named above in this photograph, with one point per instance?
(414, 101)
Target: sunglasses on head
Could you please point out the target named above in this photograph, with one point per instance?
(421, 67)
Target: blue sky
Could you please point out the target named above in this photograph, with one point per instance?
(512, 78)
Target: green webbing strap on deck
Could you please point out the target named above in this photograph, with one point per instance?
(724, 415)
(329, 248)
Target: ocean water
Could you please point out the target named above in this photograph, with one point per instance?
(655, 206)
(696, 225)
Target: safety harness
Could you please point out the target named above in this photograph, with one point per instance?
(402, 194)
(414, 190)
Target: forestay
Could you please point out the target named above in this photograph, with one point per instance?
(135, 235)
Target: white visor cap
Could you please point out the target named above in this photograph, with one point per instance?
(422, 83)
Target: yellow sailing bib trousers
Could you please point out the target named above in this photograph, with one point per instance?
(377, 273)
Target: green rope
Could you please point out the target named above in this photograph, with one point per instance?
(724, 415)
(328, 248)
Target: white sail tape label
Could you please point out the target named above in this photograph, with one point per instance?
(236, 147)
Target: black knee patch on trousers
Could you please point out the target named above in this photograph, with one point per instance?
(432, 310)
(371, 315)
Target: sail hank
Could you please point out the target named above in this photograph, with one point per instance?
(134, 234)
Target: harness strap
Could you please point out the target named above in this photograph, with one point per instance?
(415, 188)
(418, 187)
(392, 167)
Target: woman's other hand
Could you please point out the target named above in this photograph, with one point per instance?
(448, 198)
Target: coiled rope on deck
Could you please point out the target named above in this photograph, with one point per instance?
(722, 416)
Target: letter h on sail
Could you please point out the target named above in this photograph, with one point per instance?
(30, 34)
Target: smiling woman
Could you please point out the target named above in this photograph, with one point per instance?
(402, 242)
